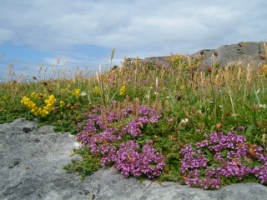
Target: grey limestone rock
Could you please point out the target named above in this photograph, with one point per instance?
(243, 52)
(252, 53)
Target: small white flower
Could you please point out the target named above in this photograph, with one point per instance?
(147, 96)
(263, 106)
(77, 144)
(83, 94)
(184, 121)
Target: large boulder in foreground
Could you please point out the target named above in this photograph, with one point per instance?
(31, 162)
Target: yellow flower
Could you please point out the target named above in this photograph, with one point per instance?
(27, 102)
(62, 104)
(123, 90)
(24, 99)
(77, 92)
(48, 107)
(52, 99)
(37, 111)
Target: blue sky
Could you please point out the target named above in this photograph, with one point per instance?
(84, 32)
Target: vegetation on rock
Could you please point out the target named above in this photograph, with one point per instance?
(164, 123)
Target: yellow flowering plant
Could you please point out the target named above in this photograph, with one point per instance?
(123, 90)
(76, 93)
(41, 111)
(61, 104)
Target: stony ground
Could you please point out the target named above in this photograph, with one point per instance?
(31, 162)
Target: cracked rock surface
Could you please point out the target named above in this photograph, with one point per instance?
(31, 168)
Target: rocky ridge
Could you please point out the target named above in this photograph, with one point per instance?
(252, 53)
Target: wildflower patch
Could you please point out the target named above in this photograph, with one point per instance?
(120, 146)
(222, 157)
(40, 111)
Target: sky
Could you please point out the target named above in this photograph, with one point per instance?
(82, 33)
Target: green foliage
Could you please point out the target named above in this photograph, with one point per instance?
(88, 165)
(172, 169)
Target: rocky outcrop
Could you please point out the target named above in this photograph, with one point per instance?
(243, 52)
(253, 53)
(31, 162)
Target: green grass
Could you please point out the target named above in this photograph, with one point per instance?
(195, 101)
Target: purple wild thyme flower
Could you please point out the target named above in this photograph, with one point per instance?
(131, 162)
(87, 132)
(261, 173)
(192, 159)
(230, 155)
(101, 141)
(146, 111)
(126, 112)
(153, 162)
(154, 119)
(210, 183)
(134, 127)
(113, 117)
(129, 158)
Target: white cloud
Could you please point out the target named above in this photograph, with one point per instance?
(133, 28)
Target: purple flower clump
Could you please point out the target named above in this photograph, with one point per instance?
(134, 127)
(146, 115)
(129, 157)
(261, 173)
(230, 155)
(192, 159)
(131, 162)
